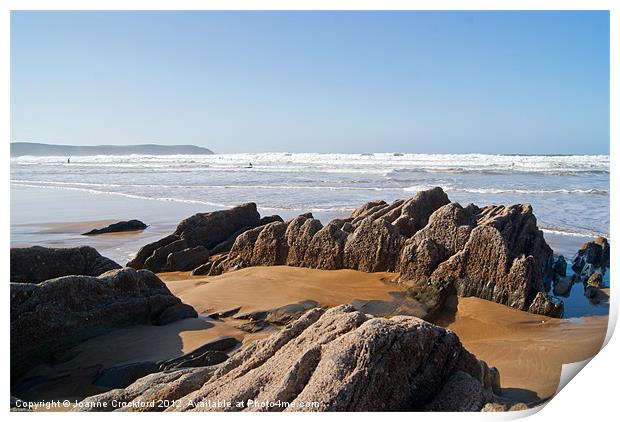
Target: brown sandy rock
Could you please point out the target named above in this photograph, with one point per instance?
(340, 359)
(270, 247)
(37, 264)
(373, 246)
(544, 304)
(415, 212)
(299, 234)
(48, 319)
(326, 249)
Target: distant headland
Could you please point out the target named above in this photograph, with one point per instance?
(38, 149)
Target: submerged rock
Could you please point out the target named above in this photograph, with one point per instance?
(121, 226)
(339, 359)
(592, 256)
(36, 264)
(48, 319)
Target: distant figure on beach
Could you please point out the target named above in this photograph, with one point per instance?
(249, 166)
(68, 160)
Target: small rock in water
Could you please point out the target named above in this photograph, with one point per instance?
(121, 226)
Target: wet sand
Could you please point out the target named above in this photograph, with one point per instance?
(528, 349)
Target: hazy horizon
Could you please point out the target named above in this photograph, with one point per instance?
(329, 82)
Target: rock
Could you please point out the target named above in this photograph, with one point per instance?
(595, 280)
(207, 229)
(595, 253)
(210, 353)
(150, 393)
(48, 319)
(595, 295)
(270, 219)
(563, 286)
(175, 313)
(123, 375)
(270, 247)
(254, 326)
(121, 226)
(37, 264)
(415, 212)
(373, 246)
(494, 407)
(281, 315)
(224, 314)
(546, 305)
(559, 266)
(518, 406)
(157, 261)
(187, 259)
(208, 358)
(299, 234)
(461, 393)
(341, 359)
(326, 249)
(202, 269)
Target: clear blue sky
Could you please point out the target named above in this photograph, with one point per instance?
(446, 82)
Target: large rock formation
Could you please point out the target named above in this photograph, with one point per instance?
(440, 248)
(334, 360)
(49, 318)
(592, 257)
(209, 230)
(37, 264)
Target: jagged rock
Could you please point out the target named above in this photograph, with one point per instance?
(187, 259)
(270, 247)
(341, 359)
(37, 264)
(49, 318)
(595, 253)
(415, 212)
(150, 393)
(373, 246)
(546, 305)
(205, 229)
(254, 326)
(121, 226)
(326, 249)
(299, 234)
(517, 407)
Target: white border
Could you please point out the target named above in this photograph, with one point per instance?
(590, 395)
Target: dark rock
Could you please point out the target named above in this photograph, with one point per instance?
(175, 313)
(546, 305)
(595, 253)
(208, 354)
(124, 375)
(254, 326)
(208, 358)
(121, 226)
(270, 219)
(206, 229)
(563, 286)
(202, 269)
(595, 280)
(559, 266)
(37, 264)
(48, 319)
(281, 315)
(224, 314)
(157, 261)
(187, 259)
(341, 359)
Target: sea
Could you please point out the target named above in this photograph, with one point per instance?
(49, 196)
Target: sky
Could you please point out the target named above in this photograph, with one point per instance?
(421, 82)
